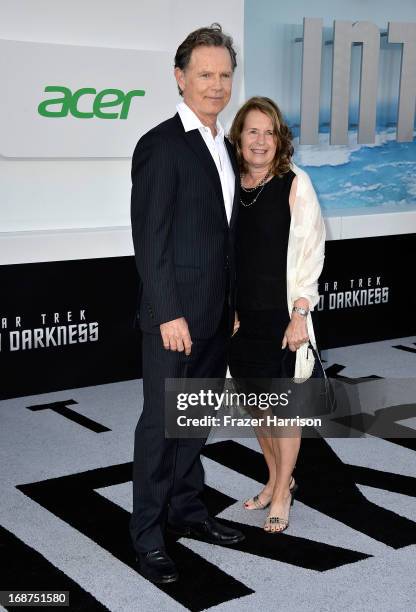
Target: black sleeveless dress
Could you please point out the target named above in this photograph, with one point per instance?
(262, 240)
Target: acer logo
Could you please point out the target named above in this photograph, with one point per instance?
(107, 98)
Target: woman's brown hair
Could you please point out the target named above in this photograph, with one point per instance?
(284, 150)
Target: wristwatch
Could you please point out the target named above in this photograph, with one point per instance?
(302, 311)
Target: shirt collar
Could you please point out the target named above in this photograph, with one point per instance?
(191, 122)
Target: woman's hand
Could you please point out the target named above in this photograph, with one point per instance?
(296, 332)
(236, 324)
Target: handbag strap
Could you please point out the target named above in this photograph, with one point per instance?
(328, 388)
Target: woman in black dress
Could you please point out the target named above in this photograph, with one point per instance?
(272, 313)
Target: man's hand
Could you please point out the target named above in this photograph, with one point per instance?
(175, 335)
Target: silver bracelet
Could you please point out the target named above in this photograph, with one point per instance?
(302, 311)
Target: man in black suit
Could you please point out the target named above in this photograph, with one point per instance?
(183, 211)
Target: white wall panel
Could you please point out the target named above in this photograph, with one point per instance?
(37, 195)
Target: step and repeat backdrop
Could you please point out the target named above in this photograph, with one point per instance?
(72, 323)
(74, 108)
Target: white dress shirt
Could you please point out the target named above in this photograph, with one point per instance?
(218, 150)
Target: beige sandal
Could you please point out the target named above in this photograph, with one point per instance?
(259, 505)
(276, 520)
(273, 520)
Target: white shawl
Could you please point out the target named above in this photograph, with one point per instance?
(305, 260)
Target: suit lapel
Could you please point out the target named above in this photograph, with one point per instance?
(197, 144)
(234, 164)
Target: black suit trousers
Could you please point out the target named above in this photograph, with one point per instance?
(168, 476)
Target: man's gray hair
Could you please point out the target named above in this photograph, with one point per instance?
(210, 37)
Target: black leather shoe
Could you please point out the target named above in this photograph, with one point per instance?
(210, 531)
(156, 566)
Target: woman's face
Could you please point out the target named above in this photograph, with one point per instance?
(258, 140)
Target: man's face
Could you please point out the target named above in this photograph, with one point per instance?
(206, 82)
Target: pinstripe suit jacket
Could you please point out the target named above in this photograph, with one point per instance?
(184, 247)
